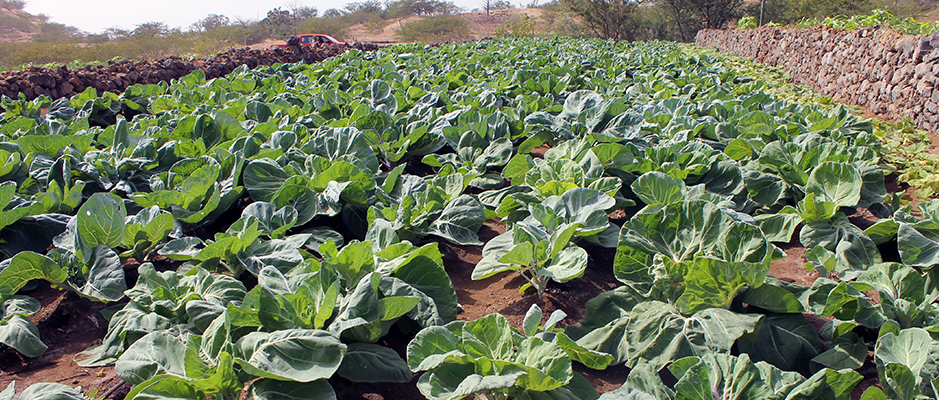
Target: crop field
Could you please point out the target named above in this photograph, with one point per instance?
(512, 219)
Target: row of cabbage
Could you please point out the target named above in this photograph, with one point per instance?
(332, 183)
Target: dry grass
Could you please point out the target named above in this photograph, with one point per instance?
(481, 25)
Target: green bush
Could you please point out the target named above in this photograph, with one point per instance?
(524, 26)
(442, 28)
(749, 22)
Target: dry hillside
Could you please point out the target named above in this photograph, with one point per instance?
(481, 25)
(17, 25)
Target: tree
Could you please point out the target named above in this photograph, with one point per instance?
(403, 8)
(151, 30)
(678, 10)
(301, 12)
(332, 13)
(611, 19)
(51, 32)
(365, 6)
(279, 23)
(714, 14)
(501, 5)
(251, 30)
(116, 33)
(210, 22)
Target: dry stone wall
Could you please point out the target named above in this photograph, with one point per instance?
(890, 74)
(117, 76)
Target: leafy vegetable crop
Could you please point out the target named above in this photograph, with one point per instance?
(292, 222)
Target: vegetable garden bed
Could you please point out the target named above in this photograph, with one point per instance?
(511, 219)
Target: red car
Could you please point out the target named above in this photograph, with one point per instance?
(311, 39)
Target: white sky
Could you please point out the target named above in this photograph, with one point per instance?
(94, 16)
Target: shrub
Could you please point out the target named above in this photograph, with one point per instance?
(442, 28)
(518, 26)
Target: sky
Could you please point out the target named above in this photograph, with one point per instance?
(94, 16)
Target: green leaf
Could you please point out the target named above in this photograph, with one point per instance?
(778, 227)
(522, 254)
(812, 209)
(431, 347)
(772, 298)
(532, 320)
(105, 279)
(459, 221)
(302, 355)
(489, 337)
(874, 393)
(900, 382)
(22, 335)
(164, 387)
(548, 367)
(786, 341)
(579, 388)
(365, 362)
(643, 383)
(590, 359)
(51, 391)
(910, 348)
(570, 263)
(657, 334)
(26, 266)
(682, 231)
(272, 221)
(657, 189)
(154, 354)
(7, 394)
(710, 282)
(837, 183)
(730, 377)
(847, 352)
(897, 280)
(101, 220)
(263, 178)
(395, 307)
(456, 381)
(270, 389)
(916, 249)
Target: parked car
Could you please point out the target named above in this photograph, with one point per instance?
(309, 39)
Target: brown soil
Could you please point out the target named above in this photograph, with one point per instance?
(792, 268)
(68, 324)
(499, 294)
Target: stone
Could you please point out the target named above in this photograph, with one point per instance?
(43, 80)
(934, 40)
(920, 69)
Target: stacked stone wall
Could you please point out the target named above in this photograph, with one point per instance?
(889, 74)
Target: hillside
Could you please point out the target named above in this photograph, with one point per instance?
(480, 24)
(17, 25)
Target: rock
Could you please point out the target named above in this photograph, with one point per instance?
(117, 76)
(44, 80)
